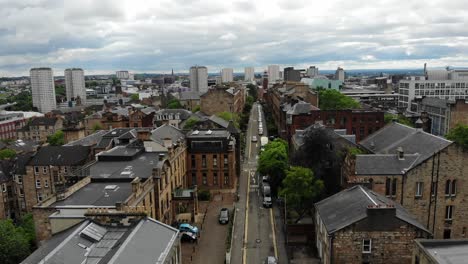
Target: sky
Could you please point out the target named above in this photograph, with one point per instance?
(102, 36)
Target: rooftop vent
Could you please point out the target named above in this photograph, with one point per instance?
(110, 187)
(209, 132)
(93, 232)
(196, 132)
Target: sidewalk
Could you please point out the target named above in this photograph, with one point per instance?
(280, 237)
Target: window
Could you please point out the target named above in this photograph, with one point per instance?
(204, 179)
(394, 183)
(20, 192)
(203, 161)
(448, 212)
(433, 188)
(366, 245)
(215, 178)
(194, 178)
(19, 179)
(36, 170)
(39, 197)
(46, 183)
(215, 161)
(226, 178)
(450, 187)
(225, 160)
(38, 184)
(55, 176)
(194, 164)
(447, 233)
(419, 189)
(65, 169)
(4, 187)
(44, 170)
(390, 187)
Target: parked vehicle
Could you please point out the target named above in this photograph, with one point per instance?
(223, 216)
(188, 228)
(254, 138)
(266, 201)
(266, 191)
(271, 260)
(188, 237)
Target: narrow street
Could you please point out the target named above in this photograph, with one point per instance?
(255, 230)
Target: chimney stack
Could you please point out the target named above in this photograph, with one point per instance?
(401, 154)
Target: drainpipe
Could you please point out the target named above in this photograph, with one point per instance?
(330, 242)
(435, 193)
(437, 186)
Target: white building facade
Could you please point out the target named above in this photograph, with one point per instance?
(454, 86)
(312, 71)
(273, 73)
(75, 85)
(249, 74)
(227, 75)
(43, 89)
(199, 79)
(122, 75)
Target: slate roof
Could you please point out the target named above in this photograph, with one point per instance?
(22, 161)
(192, 95)
(384, 164)
(43, 121)
(6, 170)
(437, 102)
(167, 131)
(350, 206)
(148, 241)
(301, 108)
(218, 120)
(96, 194)
(60, 156)
(90, 140)
(394, 135)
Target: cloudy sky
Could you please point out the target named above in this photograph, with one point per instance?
(102, 36)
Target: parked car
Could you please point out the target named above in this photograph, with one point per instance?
(188, 228)
(271, 260)
(266, 201)
(224, 216)
(188, 237)
(254, 138)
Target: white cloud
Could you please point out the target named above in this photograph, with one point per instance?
(152, 36)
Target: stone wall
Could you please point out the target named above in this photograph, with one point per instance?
(458, 114)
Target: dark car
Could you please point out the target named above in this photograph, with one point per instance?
(224, 216)
(188, 237)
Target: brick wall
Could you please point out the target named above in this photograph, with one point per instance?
(458, 114)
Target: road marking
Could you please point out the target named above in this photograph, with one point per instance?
(273, 229)
(244, 253)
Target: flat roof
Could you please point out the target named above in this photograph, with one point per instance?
(98, 194)
(447, 251)
(142, 166)
(208, 134)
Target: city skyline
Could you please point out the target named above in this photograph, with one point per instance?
(103, 37)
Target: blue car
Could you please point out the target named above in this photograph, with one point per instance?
(188, 228)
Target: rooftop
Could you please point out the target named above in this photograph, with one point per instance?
(148, 241)
(351, 205)
(60, 156)
(140, 166)
(98, 194)
(384, 164)
(90, 140)
(208, 134)
(445, 251)
(167, 132)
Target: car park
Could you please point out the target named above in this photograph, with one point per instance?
(223, 216)
(184, 227)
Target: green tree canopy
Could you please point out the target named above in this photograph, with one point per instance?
(190, 123)
(398, 118)
(14, 244)
(301, 190)
(196, 109)
(56, 139)
(330, 99)
(228, 116)
(7, 154)
(135, 97)
(60, 90)
(174, 104)
(97, 127)
(274, 161)
(253, 91)
(459, 134)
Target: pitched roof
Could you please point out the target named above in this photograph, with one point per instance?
(147, 241)
(43, 121)
(192, 95)
(184, 114)
(60, 156)
(167, 131)
(90, 140)
(301, 108)
(218, 120)
(394, 135)
(351, 205)
(384, 164)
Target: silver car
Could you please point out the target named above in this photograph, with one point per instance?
(224, 216)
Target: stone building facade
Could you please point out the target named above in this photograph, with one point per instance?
(424, 173)
(211, 159)
(39, 128)
(220, 99)
(358, 226)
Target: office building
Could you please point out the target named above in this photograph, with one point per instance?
(249, 74)
(273, 73)
(43, 89)
(312, 71)
(199, 79)
(226, 75)
(340, 74)
(122, 75)
(75, 85)
(292, 75)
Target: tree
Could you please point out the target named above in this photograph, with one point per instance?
(196, 109)
(7, 154)
(398, 118)
(459, 134)
(174, 104)
(330, 99)
(135, 97)
(253, 91)
(228, 116)
(56, 139)
(14, 244)
(97, 127)
(60, 90)
(274, 161)
(301, 190)
(190, 123)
